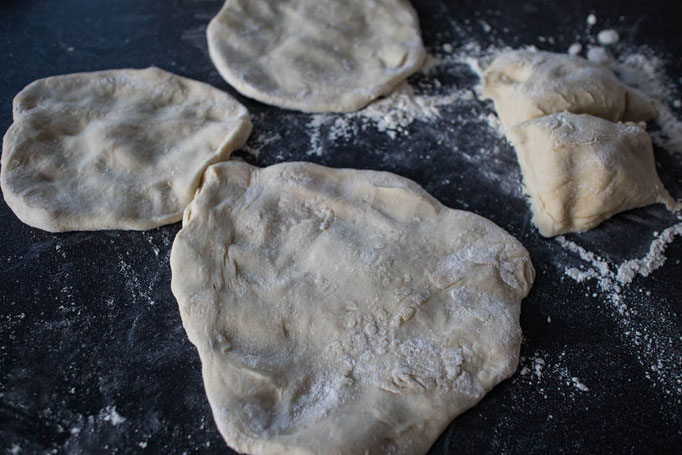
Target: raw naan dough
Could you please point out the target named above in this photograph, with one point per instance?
(120, 149)
(315, 55)
(343, 311)
(580, 170)
(525, 85)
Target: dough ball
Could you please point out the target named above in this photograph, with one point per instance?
(580, 170)
(316, 55)
(525, 85)
(120, 149)
(343, 311)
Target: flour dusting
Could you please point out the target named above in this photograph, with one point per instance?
(391, 115)
(540, 368)
(649, 334)
(654, 259)
(109, 414)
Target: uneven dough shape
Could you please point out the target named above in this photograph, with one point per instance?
(580, 170)
(120, 149)
(525, 85)
(343, 311)
(316, 55)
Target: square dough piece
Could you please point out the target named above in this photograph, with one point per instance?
(525, 85)
(580, 170)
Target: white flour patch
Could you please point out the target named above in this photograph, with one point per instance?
(644, 327)
(391, 115)
(541, 371)
(579, 385)
(109, 414)
(314, 126)
(608, 37)
(642, 69)
(394, 114)
(654, 259)
(257, 142)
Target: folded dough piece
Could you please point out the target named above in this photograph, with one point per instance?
(342, 311)
(580, 170)
(316, 55)
(525, 85)
(119, 149)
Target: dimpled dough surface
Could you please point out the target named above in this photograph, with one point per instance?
(580, 170)
(525, 85)
(343, 311)
(315, 55)
(119, 149)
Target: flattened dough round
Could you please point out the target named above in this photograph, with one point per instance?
(343, 311)
(525, 85)
(580, 170)
(119, 149)
(316, 55)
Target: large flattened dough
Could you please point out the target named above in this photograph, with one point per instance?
(580, 170)
(315, 55)
(343, 311)
(525, 85)
(119, 149)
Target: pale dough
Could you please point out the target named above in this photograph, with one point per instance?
(580, 170)
(525, 85)
(316, 55)
(343, 311)
(120, 149)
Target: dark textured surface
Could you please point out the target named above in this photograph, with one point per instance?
(88, 322)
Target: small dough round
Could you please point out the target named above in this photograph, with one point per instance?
(343, 311)
(119, 149)
(316, 55)
(580, 170)
(525, 85)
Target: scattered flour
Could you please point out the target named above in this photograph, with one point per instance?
(538, 369)
(391, 115)
(575, 49)
(608, 37)
(579, 385)
(654, 259)
(109, 414)
(646, 72)
(654, 346)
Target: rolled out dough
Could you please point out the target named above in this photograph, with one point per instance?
(316, 55)
(580, 170)
(525, 85)
(119, 149)
(343, 311)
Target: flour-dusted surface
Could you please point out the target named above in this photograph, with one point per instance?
(88, 323)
